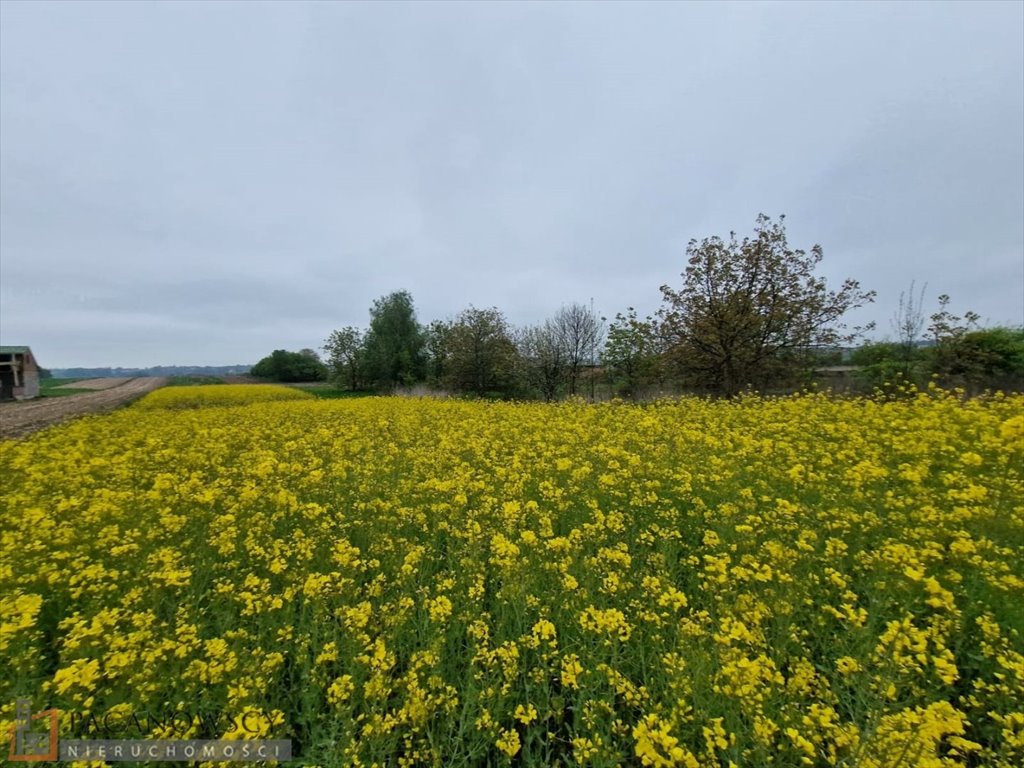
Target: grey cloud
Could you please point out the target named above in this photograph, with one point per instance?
(203, 182)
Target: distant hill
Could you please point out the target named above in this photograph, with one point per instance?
(159, 370)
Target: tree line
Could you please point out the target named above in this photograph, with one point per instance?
(750, 313)
(476, 352)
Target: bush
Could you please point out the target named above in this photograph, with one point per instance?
(283, 365)
(886, 363)
(874, 353)
(992, 358)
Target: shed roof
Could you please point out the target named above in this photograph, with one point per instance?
(13, 350)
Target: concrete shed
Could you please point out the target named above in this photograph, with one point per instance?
(19, 374)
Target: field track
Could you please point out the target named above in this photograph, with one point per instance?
(20, 419)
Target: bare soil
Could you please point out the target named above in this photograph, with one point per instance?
(22, 418)
(95, 384)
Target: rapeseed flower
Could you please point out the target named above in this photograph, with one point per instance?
(793, 581)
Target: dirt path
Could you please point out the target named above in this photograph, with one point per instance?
(20, 419)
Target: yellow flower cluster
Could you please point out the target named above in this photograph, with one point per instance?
(796, 581)
(206, 395)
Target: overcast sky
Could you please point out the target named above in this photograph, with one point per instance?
(201, 183)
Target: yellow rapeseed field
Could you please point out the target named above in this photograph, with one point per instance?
(206, 396)
(800, 581)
